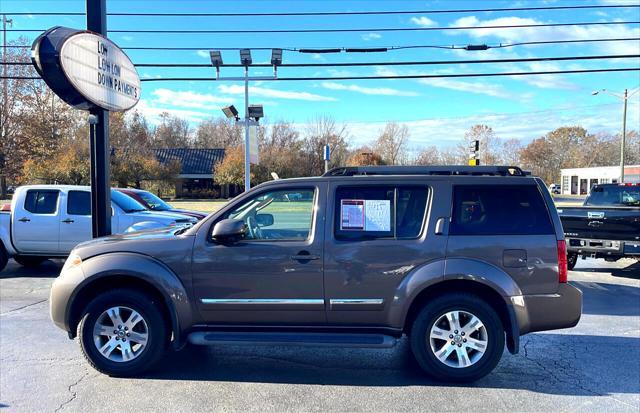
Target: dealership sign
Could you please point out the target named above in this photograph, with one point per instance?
(86, 69)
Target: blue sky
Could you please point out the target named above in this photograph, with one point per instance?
(438, 111)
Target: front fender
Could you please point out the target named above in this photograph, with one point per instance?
(146, 269)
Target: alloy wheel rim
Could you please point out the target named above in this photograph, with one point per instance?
(120, 334)
(458, 339)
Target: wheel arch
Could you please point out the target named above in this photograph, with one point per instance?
(474, 277)
(138, 272)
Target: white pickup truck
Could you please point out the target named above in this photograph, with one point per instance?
(48, 221)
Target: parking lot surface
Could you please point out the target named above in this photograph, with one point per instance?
(592, 367)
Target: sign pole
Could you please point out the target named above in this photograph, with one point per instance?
(247, 155)
(100, 168)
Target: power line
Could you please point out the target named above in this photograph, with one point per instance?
(336, 13)
(402, 63)
(388, 48)
(416, 76)
(379, 29)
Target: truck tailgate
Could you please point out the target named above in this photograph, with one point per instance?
(610, 223)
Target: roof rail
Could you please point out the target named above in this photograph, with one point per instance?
(428, 170)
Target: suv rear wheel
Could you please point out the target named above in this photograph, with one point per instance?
(122, 333)
(457, 337)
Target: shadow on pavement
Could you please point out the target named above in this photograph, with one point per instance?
(630, 271)
(48, 269)
(609, 299)
(548, 363)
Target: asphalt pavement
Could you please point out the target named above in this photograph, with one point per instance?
(592, 367)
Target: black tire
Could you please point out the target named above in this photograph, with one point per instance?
(30, 262)
(432, 312)
(156, 328)
(572, 259)
(4, 257)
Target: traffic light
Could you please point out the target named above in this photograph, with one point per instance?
(474, 153)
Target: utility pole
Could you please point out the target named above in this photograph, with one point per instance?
(99, 133)
(5, 94)
(623, 138)
(625, 97)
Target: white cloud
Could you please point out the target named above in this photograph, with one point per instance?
(274, 93)
(203, 53)
(476, 87)
(370, 36)
(379, 91)
(189, 99)
(127, 38)
(533, 34)
(152, 112)
(423, 21)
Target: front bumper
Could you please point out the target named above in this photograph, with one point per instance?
(541, 312)
(61, 292)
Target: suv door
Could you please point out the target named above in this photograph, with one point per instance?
(274, 275)
(35, 224)
(377, 234)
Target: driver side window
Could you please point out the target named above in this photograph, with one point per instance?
(285, 215)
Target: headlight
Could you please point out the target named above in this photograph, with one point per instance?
(72, 261)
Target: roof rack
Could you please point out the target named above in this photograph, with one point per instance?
(428, 170)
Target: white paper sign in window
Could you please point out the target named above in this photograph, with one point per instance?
(377, 213)
(352, 214)
(365, 215)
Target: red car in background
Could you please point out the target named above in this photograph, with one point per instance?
(154, 203)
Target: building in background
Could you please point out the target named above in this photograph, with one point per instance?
(579, 181)
(195, 179)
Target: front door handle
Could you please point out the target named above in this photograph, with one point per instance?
(24, 219)
(68, 221)
(304, 256)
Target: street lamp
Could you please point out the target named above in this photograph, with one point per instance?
(231, 112)
(251, 112)
(625, 96)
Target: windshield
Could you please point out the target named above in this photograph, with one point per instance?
(614, 195)
(153, 201)
(126, 203)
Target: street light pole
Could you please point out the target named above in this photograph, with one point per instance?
(247, 156)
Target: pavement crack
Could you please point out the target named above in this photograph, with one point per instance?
(73, 393)
(24, 306)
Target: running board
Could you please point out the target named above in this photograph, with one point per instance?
(292, 339)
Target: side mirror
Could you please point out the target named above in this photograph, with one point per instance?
(264, 220)
(228, 231)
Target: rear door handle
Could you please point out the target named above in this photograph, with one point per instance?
(68, 221)
(24, 219)
(304, 256)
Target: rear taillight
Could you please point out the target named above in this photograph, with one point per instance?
(562, 261)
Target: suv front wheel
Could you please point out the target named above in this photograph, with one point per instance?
(122, 333)
(457, 337)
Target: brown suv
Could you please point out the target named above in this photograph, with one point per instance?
(460, 259)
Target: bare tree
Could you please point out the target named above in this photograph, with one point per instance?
(392, 143)
(218, 133)
(320, 131)
(489, 145)
(428, 156)
(172, 132)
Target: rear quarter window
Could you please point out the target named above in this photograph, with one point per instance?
(499, 210)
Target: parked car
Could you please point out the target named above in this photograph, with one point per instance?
(606, 226)
(155, 203)
(460, 259)
(48, 221)
(554, 189)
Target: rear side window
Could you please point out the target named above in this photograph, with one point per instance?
(41, 201)
(499, 210)
(373, 212)
(79, 203)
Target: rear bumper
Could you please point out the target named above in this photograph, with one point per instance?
(548, 311)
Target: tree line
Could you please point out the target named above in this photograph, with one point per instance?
(44, 140)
